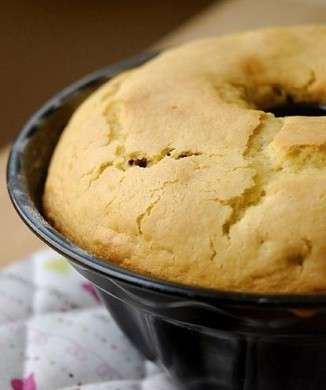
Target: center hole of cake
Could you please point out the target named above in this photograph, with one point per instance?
(298, 109)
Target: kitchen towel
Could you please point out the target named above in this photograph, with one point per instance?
(56, 334)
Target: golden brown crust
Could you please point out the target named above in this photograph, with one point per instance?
(174, 169)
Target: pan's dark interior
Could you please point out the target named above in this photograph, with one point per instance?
(298, 109)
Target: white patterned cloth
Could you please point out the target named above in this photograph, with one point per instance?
(55, 334)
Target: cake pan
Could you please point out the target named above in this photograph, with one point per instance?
(205, 339)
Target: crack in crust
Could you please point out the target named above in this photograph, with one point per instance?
(260, 162)
(146, 213)
(141, 217)
(212, 249)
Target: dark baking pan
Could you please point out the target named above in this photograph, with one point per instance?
(205, 339)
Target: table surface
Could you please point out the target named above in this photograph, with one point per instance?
(224, 16)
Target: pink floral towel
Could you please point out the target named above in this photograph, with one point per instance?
(55, 334)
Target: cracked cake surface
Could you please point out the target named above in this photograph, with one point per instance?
(177, 170)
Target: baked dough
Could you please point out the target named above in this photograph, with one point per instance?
(177, 170)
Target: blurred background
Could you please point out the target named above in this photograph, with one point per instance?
(46, 45)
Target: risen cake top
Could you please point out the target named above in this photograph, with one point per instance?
(177, 170)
